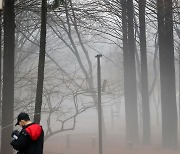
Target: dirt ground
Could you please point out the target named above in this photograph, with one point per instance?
(88, 144)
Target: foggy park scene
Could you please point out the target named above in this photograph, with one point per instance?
(99, 76)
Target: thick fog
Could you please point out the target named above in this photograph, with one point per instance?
(139, 73)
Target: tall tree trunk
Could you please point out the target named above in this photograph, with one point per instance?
(179, 87)
(132, 75)
(39, 90)
(125, 63)
(167, 74)
(0, 65)
(129, 72)
(8, 77)
(144, 74)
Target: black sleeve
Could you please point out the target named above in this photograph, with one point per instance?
(22, 141)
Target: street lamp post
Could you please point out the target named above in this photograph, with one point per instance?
(99, 102)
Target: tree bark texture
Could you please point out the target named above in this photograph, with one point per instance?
(130, 90)
(167, 74)
(8, 77)
(41, 65)
(144, 75)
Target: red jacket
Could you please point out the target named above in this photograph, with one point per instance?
(30, 140)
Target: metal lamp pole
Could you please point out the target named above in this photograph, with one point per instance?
(99, 102)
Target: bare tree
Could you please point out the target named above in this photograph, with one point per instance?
(144, 74)
(41, 65)
(131, 106)
(167, 74)
(8, 77)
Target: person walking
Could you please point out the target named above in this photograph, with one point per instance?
(30, 139)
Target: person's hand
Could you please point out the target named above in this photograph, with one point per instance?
(15, 134)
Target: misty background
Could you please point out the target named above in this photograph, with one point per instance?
(49, 70)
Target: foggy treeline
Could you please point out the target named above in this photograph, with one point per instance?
(48, 63)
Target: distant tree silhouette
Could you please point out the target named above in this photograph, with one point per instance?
(167, 73)
(144, 74)
(129, 72)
